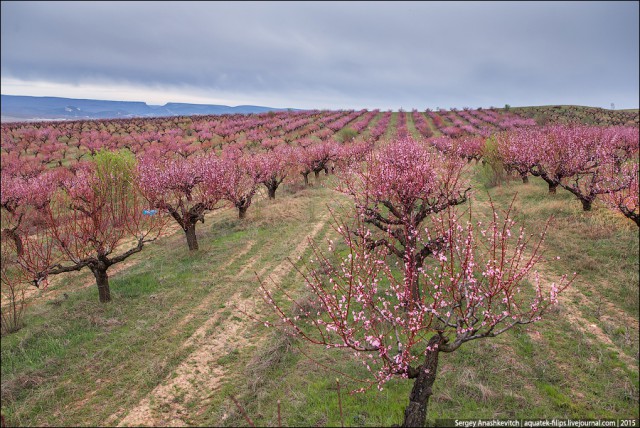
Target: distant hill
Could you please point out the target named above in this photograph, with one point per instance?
(566, 114)
(23, 108)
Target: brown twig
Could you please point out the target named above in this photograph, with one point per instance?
(340, 403)
(239, 406)
(279, 417)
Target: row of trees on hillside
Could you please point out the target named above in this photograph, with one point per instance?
(587, 161)
(66, 219)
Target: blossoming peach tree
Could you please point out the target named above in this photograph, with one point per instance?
(399, 316)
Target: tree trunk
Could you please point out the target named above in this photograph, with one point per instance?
(586, 204)
(272, 191)
(553, 185)
(413, 275)
(192, 240)
(306, 178)
(11, 234)
(415, 415)
(102, 280)
(525, 177)
(242, 211)
(316, 174)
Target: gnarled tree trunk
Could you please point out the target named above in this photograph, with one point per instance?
(586, 204)
(271, 190)
(415, 415)
(243, 205)
(11, 234)
(242, 211)
(192, 240)
(630, 214)
(553, 184)
(102, 281)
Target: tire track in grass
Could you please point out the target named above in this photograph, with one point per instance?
(200, 374)
(206, 302)
(575, 316)
(573, 297)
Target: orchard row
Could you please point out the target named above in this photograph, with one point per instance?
(42, 145)
(67, 218)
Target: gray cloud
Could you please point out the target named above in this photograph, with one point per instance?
(360, 54)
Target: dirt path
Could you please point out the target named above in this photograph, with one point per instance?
(200, 374)
(206, 302)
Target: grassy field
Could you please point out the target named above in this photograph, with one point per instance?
(172, 346)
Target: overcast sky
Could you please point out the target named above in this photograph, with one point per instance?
(331, 55)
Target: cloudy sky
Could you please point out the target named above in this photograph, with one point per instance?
(333, 55)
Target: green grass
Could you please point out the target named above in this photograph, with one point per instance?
(77, 362)
(551, 369)
(120, 351)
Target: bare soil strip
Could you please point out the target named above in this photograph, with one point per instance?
(199, 375)
(206, 302)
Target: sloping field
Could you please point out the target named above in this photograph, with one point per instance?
(175, 344)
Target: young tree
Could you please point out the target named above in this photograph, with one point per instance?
(517, 150)
(13, 285)
(95, 213)
(13, 203)
(184, 187)
(554, 155)
(25, 242)
(396, 190)
(319, 156)
(595, 162)
(21, 202)
(473, 288)
(470, 147)
(625, 198)
(348, 155)
(273, 167)
(241, 179)
(303, 159)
